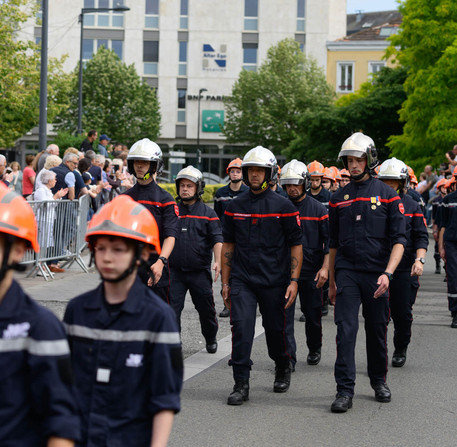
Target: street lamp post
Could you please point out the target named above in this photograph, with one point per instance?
(43, 79)
(199, 152)
(121, 8)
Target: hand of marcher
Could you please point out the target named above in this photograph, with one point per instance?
(291, 294)
(383, 283)
(321, 277)
(332, 292)
(443, 253)
(217, 270)
(226, 296)
(156, 270)
(417, 269)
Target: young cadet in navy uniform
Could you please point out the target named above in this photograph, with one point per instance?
(404, 285)
(448, 247)
(262, 256)
(200, 234)
(436, 206)
(367, 239)
(124, 340)
(144, 161)
(223, 197)
(314, 271)
(37, 403)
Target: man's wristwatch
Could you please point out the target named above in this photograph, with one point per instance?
(389, 275)
(422, 260)
(164, 260)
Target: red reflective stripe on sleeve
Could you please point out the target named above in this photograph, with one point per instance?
(363, 199)
(314, 218)
(147, 202)
(199, 217)
(262, 215)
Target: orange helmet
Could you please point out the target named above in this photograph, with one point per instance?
(316, 169)
(449, 182)
(336, 172)
(455, 171)
(234, 164)
(329, 174)
(344, 173)
(123, 217)
(440, 183)
(411, 173)
(17, 217)
(413, 179)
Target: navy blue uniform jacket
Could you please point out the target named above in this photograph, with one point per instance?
(448, 217)
(416, 232)
(314, 225)
(140, 347)
(224, 196)
(263, 227)
(323, 196)
(199, 230)
(36, 396)
(366, 220)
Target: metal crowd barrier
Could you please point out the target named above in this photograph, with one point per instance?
(62, 226)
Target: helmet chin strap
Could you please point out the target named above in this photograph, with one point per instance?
(360, 176)
(238, 180)
(296, 199)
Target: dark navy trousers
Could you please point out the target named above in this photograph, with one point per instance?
(311, 305)
(355, 288)
(451, 270)
(402, 296)
(199, 284)
(271, 301)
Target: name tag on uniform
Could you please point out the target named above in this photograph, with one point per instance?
(183, 230)
(103, 375)
(358, 217)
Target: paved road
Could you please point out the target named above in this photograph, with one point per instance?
(423, 410)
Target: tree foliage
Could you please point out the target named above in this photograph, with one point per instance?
(264, 106)
(427, 47)
(115, 101)
(373, 110)
(20, 75)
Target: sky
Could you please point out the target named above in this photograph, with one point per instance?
(370, 5)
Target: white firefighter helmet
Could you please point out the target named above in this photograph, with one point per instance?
(295, 173)
(263, 158)
(146, 150)
(394, 169)
(359, 145)
(195, 176)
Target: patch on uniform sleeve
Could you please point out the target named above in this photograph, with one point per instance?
(425, 222)
(401, 208)
(176, 210)
(176, 358)
(298, 220)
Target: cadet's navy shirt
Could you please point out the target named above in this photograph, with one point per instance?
(366, 220)
(314, 225)
(416, 232)
(263, 227)
(224, 196)
(323, 196)
(127, 364)
(418, 198)
(436, 209)
(36, 395)
(199, 230)
(448, 218)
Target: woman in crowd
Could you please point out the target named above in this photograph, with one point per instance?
(28, 176)
(16, 184)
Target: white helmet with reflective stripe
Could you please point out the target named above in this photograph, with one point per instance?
(262, 158)
(359, 145)
(295, 173)
(394, 169)
(195, 176)
(145, 150)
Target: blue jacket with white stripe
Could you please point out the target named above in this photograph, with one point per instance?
(127, 364)
(36, 394)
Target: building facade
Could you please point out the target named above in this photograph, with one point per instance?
(192, 51)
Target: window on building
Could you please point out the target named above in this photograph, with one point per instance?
(182, 69)
(250, 56)
(184, 12)
(345, 77)
(387, 31)
(301, 15)
(151, 57)
(91, 46)
(375, 67)
(107, 18)
(151, 19)
(251, 12)
(182, 105)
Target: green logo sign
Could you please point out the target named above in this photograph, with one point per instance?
(212, 120)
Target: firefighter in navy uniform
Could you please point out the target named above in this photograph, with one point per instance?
(261, 263)
(448, 246)
(314, 271)
(404, 285)
(200, 235)
(436, 207)
(367, 240)
(144, 161)
(124, 340)
(37, 403)
(223, 197)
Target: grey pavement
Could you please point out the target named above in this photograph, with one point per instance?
(423, 410)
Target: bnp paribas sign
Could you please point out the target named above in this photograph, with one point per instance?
(214, 58)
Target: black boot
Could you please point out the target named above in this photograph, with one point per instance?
(324, 308)
(399, 358)
(224, 313)
(240, 393)
(282, 379)
(314, 357)
(438, 267)
(454, 320)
